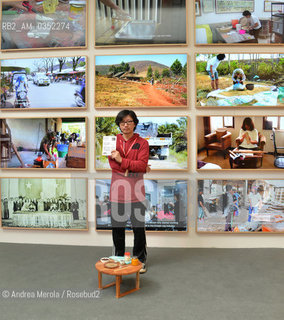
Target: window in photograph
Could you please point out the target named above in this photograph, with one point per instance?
(221, 122)
(277, 122)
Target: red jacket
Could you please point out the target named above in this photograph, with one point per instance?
(135, 156)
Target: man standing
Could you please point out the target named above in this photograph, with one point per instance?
(211, 68)
(254, 24)
(230, 207)
(129, 163)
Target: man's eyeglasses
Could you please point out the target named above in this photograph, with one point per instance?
(123, 123)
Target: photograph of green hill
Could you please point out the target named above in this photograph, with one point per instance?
(141, 81)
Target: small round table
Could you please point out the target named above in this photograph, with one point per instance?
(118, 273)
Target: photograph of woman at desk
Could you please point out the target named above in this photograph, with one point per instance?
(245, 22)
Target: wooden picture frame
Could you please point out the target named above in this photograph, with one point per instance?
(208, 33)
(208, 6)
(229, 4)
(30, 154)
(35, 205)
(155, 21)
(267, 6)
(197, 8)
(263, 93)
(259, 160)
(156, 221)
(125, 81)
(265, 217)
(43, 73)
(160, 151)
(19, 32)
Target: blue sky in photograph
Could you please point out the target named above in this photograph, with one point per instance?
(166, 59)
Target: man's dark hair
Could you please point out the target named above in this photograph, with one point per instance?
(246, 13)
(51, 134)
(124, 113)
(221, 56)
(228, 187)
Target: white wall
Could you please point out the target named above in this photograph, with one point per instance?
(27, 133)
(169, 239)
(207, 18)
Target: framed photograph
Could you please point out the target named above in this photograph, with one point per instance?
(223, 6)
(44, 143)
(143, 22)
(276, 8)
(227, 26)
(44, 203)
(166, 205)
(43, 83)
(208, 6)
(136, 81)
(197, 8)
(167, 137)
(239, 80)
(36, 25)
(240, 206)
(240, 143)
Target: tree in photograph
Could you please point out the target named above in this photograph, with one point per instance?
(61, 62)
(176, 67)
(126, 67)
(157, 74)
(132, 71)
(166, 73)
(75, 62)
(105, 126)
(149, 72)
(184, 70)
(51, 62)
(45, 63)
(112, 69)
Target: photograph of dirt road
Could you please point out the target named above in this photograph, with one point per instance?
(229, 80)
(240, 206)
(167, 138)
(141, 81)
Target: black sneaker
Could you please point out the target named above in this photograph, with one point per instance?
(143, 269)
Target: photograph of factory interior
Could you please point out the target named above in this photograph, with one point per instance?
(239, 22)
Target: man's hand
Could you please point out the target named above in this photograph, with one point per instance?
(148, 169)
(115, 155)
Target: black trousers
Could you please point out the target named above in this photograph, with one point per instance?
(120, 213)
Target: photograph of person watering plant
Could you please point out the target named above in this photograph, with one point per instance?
(167, 138)
(228, 80)
(158, 80)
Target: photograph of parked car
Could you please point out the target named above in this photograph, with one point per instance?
(43, 83)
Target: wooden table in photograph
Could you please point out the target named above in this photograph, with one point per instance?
(235, 37)
(118, 273)
(250, 160)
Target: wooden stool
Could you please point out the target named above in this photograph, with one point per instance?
(118, 273)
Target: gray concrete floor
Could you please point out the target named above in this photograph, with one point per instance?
(187, 284)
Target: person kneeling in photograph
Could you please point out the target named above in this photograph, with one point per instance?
(238, 78)
(129, 163)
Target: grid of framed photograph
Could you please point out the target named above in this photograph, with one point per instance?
(212, 117)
